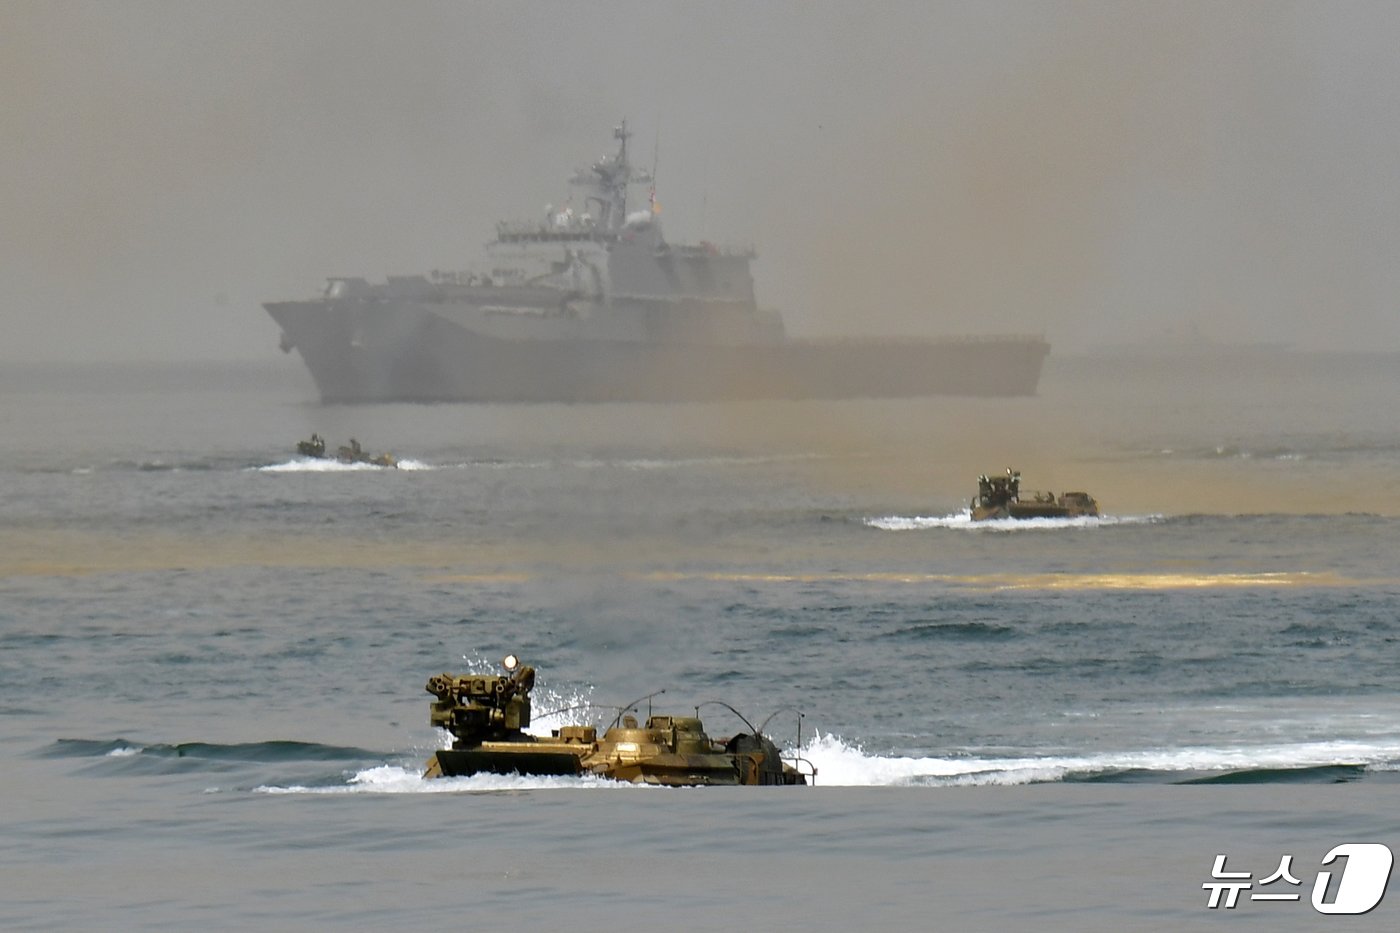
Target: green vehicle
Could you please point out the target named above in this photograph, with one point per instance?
(346, 453)
(488, 714)
(316, 447)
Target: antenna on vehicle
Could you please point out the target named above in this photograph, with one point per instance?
(731, 709)
(622, 709)
(787, 709)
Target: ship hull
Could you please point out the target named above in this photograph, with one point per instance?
(361, 352)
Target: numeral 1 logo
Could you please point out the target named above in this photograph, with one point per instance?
(1363, 881)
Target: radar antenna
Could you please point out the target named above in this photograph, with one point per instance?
(609, 178)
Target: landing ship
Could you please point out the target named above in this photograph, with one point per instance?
(487, 716)
(1000, 497)
(594, 304)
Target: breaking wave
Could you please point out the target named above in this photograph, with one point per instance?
(266, 752)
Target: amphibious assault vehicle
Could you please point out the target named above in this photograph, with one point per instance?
(488, 715)
(1000, 497)
(346, 453)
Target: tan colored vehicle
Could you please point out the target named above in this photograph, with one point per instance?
(487, 716)
(1000, 497)
(353, 453)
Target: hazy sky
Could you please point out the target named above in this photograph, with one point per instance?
(1092, 171)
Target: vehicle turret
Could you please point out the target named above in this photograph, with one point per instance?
(483, 708)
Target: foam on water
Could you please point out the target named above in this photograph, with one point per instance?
(840, 764)
(318, 465)
(399, 779)
(312, 465)
(962, 521)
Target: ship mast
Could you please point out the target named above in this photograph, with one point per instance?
(608, 178)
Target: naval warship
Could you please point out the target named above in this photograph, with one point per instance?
(595, 305)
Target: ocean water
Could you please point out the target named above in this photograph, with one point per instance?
(212, 652)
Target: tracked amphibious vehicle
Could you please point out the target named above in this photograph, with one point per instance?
(488, 714)
(1000, 497)
(346, 453)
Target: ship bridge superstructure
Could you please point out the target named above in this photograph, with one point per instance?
(604, 214)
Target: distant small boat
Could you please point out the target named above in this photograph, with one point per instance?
(346, 453)
(316, 447)
(1000, 497)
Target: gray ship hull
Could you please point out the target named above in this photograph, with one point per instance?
(407, 352)
(597, 306)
